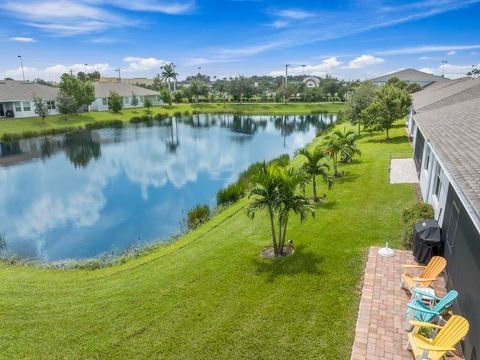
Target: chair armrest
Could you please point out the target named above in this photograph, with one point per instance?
(429, 347)
(424, 324)
(425, 294)
(413, 266)
(419, 279)
(418, 308)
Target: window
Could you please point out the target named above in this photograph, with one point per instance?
(104, 101)
(142, 98)
(51, 105)
(18, 106)
(157, 97)
(26, 106)
(427, 158)
(437, 187)
(126, 100)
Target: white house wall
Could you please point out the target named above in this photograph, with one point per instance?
(100, 105)
(23, 113)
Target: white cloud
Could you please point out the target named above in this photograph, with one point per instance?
(452, 52)
(322, 69)
(53, 73)
(427, 49)
(279, 24)
(295, 14)
(23, 39)
(364, 60)
(143, 64)
(68, 17)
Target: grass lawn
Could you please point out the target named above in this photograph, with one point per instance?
(209, 295)
(57, 122)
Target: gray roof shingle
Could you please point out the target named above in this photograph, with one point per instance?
(102, 89)
(12, 90)
(452, 125)
(411, 75)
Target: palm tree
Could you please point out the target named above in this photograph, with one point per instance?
(314, 167)
(290, 181)
(169, 74)
(266, 196)
(341, 143)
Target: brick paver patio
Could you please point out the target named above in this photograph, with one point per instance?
(380, 331)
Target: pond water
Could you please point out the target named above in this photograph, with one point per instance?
(83, 194)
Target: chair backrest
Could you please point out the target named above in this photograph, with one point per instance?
(434, 267)
(446, 301)
(454, 330)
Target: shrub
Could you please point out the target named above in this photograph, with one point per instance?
(412, 215)
(115, 102)
(197, 216)
(139, 119)
(230, 194)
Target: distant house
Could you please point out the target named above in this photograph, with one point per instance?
(311, 81)
(131, 81)
(444, 123)
(16, 98)
(410, 76)
(103, 89)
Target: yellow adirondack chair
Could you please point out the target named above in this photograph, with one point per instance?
(430, 273)
(449, 335)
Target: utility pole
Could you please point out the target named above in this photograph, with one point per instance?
(119, 74)
(286, 82)
(443, 67)
(21, 63)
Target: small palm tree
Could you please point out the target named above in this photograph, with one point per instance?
(341, 143)
(315, 168)
(291, 180)
(265, 195)
(169, 74)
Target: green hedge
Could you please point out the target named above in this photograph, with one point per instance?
(412, 215)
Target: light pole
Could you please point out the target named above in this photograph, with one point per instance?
(286, 82)
(303, 69)
(119, 75)
(199, 68)
(21, 63)
(443, 67)
(86, 69)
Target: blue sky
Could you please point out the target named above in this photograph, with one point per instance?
(348, 39)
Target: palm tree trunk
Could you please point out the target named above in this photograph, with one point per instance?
(335, 172)
(314, 183)
(272, 224)
(284, 233)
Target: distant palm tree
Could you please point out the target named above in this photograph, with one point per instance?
(169, 74)
(315, 168)
(343, 144)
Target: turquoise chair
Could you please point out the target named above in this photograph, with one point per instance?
(417, 310)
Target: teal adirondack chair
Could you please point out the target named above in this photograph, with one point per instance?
(417, 310)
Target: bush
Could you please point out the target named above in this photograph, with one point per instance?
(412, 215)
(139, 119)
(230, 194)
(115, 102)
(197, 216)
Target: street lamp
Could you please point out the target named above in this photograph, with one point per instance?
(286, 82)
(443, 67)
(86, 69)
(303, 69)
(21, 63)
(119, 75)
(175, 78)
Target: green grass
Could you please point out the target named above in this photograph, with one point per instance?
(35, 126)
(209, 295)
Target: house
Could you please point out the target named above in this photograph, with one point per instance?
(410, 76)
(131, 81)
(16, 98)
(311, 81)
(444, 124)
(103, 90)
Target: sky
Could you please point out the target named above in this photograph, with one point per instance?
(347, 39)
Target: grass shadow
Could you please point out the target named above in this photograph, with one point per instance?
(326, 205)
(301, 262)
(348, 178)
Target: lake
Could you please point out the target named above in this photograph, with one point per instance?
(83, 194)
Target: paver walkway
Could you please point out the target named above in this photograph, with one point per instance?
(403, 171)
(380, 332)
